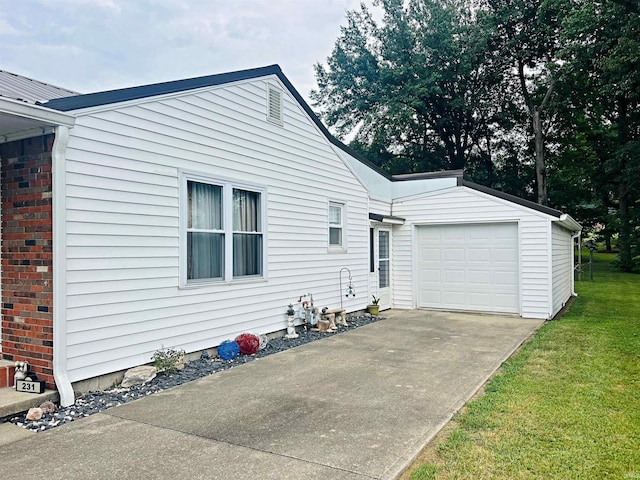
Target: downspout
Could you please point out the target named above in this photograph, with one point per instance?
(58, 156)
(578, 235)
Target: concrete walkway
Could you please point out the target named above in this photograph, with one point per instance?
(354, 406)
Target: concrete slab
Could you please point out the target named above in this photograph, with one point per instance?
(10, 433)
(105, 447)
(356, 405)
(12, 402)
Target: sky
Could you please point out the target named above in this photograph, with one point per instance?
(94, 45)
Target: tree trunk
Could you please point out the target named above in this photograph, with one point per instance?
(541, 174)
(626, 230)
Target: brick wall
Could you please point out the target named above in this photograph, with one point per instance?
(27, 258)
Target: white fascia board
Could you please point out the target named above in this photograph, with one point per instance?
(44, 115)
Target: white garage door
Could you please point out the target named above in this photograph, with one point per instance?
(469, 267)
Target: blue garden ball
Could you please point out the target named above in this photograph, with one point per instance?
(228, 350)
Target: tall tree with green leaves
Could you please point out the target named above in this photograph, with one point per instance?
(601, 57)
(409, 88)
(525, 36)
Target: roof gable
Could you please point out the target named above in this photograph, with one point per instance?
(89, 100)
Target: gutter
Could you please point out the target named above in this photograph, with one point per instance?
(58, 159)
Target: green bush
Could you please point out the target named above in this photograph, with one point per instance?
(167, 360)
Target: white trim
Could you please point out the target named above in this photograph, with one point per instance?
(550, 269)
(58, 160)
(227, 185)
(384, 228)
(342, 248)
(35, 112)
(520, 276)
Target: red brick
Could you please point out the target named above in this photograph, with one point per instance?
(27, 216)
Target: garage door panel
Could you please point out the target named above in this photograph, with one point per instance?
(469, 267)
(479, 277)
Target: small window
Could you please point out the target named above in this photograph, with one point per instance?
(274, 105)
(336, 225)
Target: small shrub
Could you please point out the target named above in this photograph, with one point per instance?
(167, 360)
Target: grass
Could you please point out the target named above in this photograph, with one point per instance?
(566, 406)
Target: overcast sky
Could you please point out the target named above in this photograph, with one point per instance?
(93, 45)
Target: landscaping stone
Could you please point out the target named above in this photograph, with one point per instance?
(35, 413)
(139, 375)
(95, 402)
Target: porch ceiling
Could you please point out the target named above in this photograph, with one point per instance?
(21, 120)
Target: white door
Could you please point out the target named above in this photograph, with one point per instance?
(384, 266)
(469, 267)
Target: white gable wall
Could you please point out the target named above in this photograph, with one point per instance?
(562, 250)
(465, 205)
(123, 296)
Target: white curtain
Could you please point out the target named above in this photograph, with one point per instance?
(247, 247)
(205, 250)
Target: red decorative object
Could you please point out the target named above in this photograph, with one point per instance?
(248, 343)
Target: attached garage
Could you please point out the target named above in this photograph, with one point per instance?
(468, 267)
(477, 249)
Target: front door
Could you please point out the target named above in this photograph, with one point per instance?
(384, 267)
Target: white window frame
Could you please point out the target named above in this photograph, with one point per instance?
(227, 185)
(342, 248)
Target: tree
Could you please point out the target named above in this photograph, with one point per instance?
(411, 89)
(526, 37)
(602, 61)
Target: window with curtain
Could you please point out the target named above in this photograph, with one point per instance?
(336, 217)
(247, 233)
(224, 231)
(205, 234)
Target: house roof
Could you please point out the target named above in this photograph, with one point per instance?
(77, 102)
(28, 90)
(511, 198)
(108, 97)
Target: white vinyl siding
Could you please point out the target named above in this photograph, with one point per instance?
(562, 249)
(461, 205)
(124, 299)
(380, 207)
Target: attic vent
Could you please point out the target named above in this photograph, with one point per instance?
(274, 105)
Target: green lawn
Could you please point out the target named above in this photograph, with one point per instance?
(567, 405)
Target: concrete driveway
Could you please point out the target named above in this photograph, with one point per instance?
(357, 405)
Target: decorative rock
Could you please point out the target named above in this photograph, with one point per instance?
(263, 341)
(35, 413)
(248, 343)
(228, 350)
(48, 407)
(139, 375)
